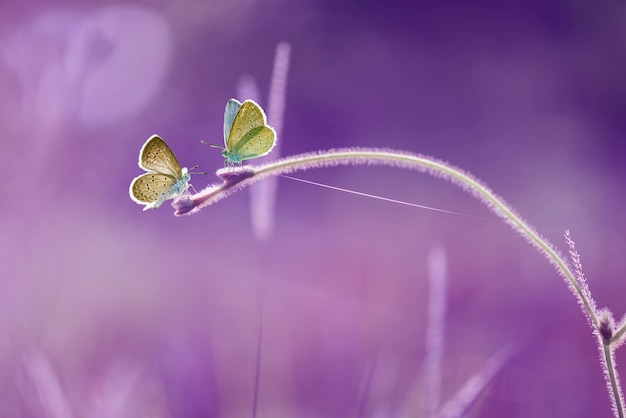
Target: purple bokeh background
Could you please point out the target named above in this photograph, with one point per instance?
(103, 305)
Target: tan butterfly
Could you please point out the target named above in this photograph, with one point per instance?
(164, 180)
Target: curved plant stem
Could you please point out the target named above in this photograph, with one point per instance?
(613, 380)
(236, 179)
(619, 334)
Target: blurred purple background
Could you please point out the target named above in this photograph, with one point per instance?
(107, 311)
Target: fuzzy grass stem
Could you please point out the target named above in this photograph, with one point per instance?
(618, 335)
(236, 179)
(618, 404)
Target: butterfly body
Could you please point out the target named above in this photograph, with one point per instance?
(232, 157)
(246, 133)
(164, 180)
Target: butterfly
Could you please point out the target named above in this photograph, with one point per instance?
(246, 132)
(164, 180)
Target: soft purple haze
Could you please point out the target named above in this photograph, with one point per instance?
(108, 311)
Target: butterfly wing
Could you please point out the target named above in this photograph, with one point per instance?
(250, 116)
(256, 143)
(156, 156)
(232, 108)
(152, 189)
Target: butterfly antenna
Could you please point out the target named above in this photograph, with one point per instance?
(211, 145)
(197, 172)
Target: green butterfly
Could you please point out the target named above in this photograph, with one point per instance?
(246, 132)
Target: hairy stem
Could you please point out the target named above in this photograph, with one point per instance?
(613, 380)
(619, 334)
(242, 177)
(236, 179)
